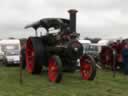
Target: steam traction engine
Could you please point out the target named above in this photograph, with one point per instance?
(58, 51)
(111, 55)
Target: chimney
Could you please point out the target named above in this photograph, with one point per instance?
(72, 13)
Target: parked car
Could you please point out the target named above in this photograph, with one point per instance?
(11, 57)
(1, 56)
(11, 51)
(85, 44)
(93, 50)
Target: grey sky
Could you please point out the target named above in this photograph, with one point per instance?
(96, 18)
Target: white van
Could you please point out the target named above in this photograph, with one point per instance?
(11, 49)
(1, 55)
(85, 44)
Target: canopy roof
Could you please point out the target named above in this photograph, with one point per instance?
(49, 22)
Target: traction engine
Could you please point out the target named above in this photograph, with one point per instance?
(111, 55)
(58, 52)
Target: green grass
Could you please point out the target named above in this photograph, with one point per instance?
(72, 85)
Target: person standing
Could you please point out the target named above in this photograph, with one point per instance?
(125, 59)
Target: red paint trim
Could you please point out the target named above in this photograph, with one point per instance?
(30, 56)
(52, 69)
(85, 68)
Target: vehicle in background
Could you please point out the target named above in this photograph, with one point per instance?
(90, 48)
(85, 44)
(1, 55)
(104, 42)
(93, 50)
(11, 49)
(11, 57)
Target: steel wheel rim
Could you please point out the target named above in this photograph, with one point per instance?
(52, 70)
(85, 68)
(30, 56)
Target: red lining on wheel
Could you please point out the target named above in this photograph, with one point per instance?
(30, 56)
(85, 68)
(52, 70)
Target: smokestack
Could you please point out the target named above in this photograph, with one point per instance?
(72, 13)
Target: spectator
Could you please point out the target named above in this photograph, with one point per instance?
(23, 60)
(125, 58)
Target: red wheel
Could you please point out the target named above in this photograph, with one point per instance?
(35, 55)
(30, 56)
(87, 68)
(55, 69)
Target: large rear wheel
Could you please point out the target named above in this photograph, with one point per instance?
(35, 55)
(55, 69)
(87, 67)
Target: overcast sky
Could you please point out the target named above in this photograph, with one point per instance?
(96, 18)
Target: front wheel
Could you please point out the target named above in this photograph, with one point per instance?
(55, 69)
(87, 67)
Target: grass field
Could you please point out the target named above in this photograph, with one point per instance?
(72, 85)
